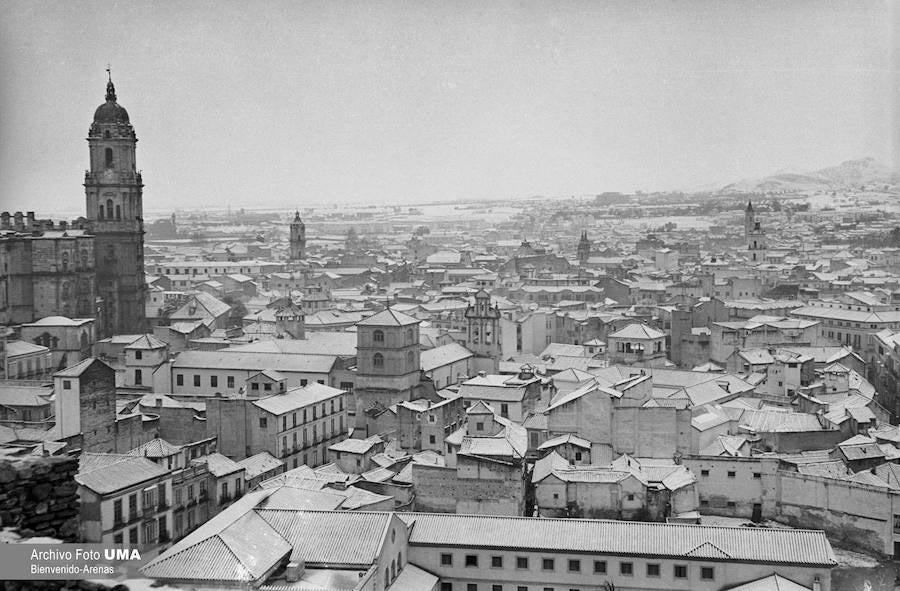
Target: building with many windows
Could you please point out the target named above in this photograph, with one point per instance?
(296, 426)
(125, 499)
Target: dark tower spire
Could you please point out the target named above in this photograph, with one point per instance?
(110, 87)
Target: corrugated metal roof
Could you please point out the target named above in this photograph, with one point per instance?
(254, 361)
(297, 398)
(106, 473)
(331, 537)
(14, 395)
(443, 355)
(771, 583)
(802, 547)
(413, 578)
(259, 464)
(226, 548)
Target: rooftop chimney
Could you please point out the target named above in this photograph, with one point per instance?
(294, 571)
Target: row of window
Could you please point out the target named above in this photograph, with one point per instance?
(378, 359)
(335, 430)
(151, 528)
(152, 499)
(731, 473)
(230, 381)
(194, 270)
(574, 565)
(326, 410)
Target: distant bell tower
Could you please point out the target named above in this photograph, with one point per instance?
(113, 193)
(584, 248)
(483, 333)
(298, 238)
(755, 236)
(749, 219)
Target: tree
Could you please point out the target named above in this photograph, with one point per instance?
(894, 236)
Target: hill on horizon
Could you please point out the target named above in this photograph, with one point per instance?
(852, 173)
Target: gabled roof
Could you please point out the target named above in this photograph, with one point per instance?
(741, 544)
(259, 464)
(156, 448)
(106, 473)
(79, 368)
(773, 582)
(332, 538)
(16, 348)
(637, 331)
(388, 317)
(296, 398)
(236, 545)
(220, 465)
(355, 446)
(480, 407)
(146, 341)
(443, 355)
(564, 439)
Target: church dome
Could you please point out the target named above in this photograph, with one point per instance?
(110, 111)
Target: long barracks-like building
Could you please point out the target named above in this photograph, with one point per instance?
(255, 545)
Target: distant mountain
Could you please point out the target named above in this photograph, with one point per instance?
(865, 171)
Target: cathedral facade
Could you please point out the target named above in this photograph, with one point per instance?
(114, 210)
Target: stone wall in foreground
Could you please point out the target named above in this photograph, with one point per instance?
(39, 496)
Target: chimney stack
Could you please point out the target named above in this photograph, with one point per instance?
(294, 571)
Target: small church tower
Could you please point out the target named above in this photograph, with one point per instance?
(584, 248)
(298, 238)
(289, 321)
(755, 236)
(483, 333)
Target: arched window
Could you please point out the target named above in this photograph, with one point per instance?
(109, 208)
(410, 359)
(65, 261)
(118, 212)
(378, 336)
(409, 335)
(387, 577)
(400, 560)
(100, 213)
(108, 159)
(106, 134)
(378, 360)
(393, 569)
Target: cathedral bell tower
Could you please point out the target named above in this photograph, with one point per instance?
(298, 238)
(113, 194)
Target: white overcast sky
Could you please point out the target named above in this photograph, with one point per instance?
(308, 103)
